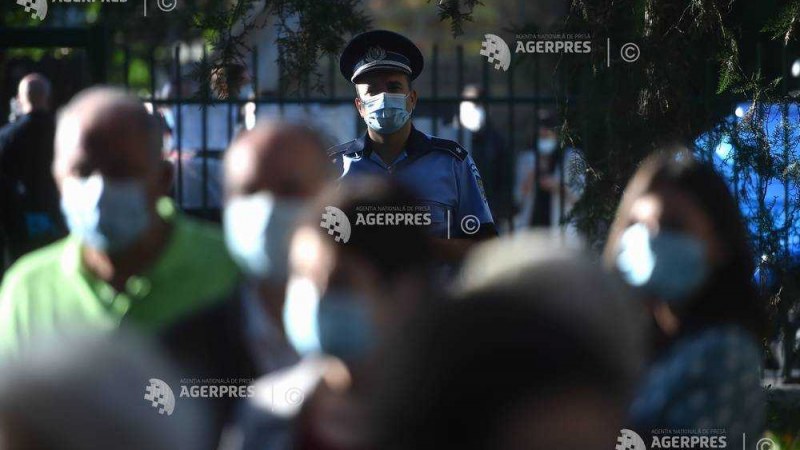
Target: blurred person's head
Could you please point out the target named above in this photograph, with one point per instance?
(346, 295)
(33, 93)
(547, 142)
(536, 349)
(88, 395)
(109, 169)
(679, 239)
(271, 173)
(471, 113)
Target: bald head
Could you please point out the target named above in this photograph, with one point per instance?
(287, 160)
(34, 93)
(109, 132)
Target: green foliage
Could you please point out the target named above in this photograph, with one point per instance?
(457, 12)
(784, 26)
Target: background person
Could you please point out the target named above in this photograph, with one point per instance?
(382, 65)
(490, 152)
(28, 194)
(679, 240)
(271, 174)
(343, 301)
(130, 255)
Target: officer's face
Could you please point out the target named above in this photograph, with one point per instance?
(374, 83)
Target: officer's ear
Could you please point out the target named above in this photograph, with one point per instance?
(412, 96)
(359, 104)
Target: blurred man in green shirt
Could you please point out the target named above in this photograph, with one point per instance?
(130, 256)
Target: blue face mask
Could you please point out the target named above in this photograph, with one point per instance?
(670, 265)
(338, 323)
(258, 230)
(386, 113)
(108, 215)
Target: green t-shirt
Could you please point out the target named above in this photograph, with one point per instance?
(49, 291)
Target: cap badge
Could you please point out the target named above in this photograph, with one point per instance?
(375, 54)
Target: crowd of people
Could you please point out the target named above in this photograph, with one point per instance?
(299, 324)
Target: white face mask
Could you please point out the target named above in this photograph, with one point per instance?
(107, 214)
(336, 323)
(258, 229)
(472, 116)
(547, 146)
(385, 112)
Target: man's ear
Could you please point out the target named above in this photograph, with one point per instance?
(166, 176)
(359, 106)
(413, 98)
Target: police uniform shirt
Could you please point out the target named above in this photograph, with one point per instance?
(439, 171)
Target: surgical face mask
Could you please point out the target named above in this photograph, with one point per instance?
(108, 215)
(472, 116)
(337, 323)
(670, 265)
(258, 229)
(547, 146)
(386, 113)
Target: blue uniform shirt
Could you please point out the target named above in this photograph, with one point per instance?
(441, 174)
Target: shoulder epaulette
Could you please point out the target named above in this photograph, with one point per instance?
(337, 150)
(452, 147)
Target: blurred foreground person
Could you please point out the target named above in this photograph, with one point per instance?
(271, 173)
(679, 240)
(130, 256)
(87, 393)
(536, 350)
(28, 194)
(345, 296)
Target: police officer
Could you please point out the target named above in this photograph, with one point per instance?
(382, 65)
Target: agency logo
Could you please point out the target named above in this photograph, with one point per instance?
(496, 51)
(629, 52)
(470, 224)
(766, 444)
(336, 222)
(629, 440)
(160, 396)
(167, 5)
(37, 8)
